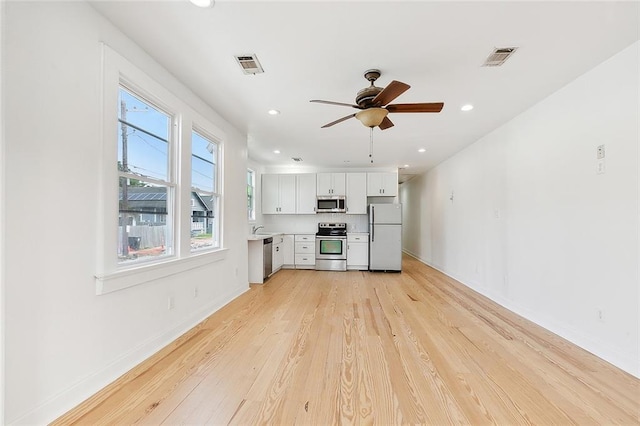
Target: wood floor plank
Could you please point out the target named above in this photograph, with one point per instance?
(322, 347)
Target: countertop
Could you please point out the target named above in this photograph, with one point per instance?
(261, 236)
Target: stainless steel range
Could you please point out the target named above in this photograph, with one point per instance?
(331, 247)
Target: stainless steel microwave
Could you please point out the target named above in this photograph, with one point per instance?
(331, 204)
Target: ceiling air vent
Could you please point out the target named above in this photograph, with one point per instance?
(249, 64)
(499, 56)
(296, 159)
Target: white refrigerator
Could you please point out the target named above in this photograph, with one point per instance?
(385, 237)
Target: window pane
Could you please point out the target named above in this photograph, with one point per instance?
(250, 195)
(142, 114)
(143, 135)
(144, 225)
(204, 221)
(203, 163)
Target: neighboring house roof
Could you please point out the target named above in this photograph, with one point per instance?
(150, 199)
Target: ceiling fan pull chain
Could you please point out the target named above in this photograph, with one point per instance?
(371, 145)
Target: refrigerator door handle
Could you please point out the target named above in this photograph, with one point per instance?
(373, 223)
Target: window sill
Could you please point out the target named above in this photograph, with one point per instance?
(120, 280)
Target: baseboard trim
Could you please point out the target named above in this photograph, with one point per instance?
(95, 388)
(603, 351)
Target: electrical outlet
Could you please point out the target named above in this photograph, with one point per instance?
(600, 168)
(195, 291)
(600, 152)
(170, 303)
(600, 314)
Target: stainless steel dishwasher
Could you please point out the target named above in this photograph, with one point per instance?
(267, 256)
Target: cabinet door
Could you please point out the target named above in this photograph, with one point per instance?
(338, 183)
(306, 193)
(270, 193)
(324, 185)
(287, 194)
(374, 184)
(288, 253)
(389, 184)
(331, 184)
(278, 257)
(358, 254)
(356, 193)
(382, 184)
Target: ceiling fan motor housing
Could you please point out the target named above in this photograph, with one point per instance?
(366, 95)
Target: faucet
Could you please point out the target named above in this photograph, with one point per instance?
(254, 229)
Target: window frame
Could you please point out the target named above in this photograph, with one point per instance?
(109, 276)
(171, 180)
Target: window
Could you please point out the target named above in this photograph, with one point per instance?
(251, 201)
(205, 220)
(160, 193)
(146, 187)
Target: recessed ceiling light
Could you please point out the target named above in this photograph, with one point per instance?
(203, 3)
(276, 151)
(273, 112)
(467, 107)
(421, 150)
(405, 166)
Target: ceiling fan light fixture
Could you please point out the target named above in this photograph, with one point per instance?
(372, 117)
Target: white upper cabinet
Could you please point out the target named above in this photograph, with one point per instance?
(278, 194)
(356, 195)
(382, 184)
(331, 184)
(306, 193)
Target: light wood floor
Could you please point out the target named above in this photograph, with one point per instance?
(331, 348)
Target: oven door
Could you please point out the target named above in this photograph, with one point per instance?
(331, 247)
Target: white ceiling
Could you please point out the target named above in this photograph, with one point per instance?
(320, 50)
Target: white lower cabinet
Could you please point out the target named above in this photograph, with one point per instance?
(305, 251)
(278, 257)
(288, 251)
(358, 251)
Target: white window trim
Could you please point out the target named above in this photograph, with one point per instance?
(110, 276)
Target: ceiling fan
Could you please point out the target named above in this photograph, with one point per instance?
(374, 104)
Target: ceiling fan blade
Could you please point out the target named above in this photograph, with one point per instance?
(389, 93)
(340, 120)
(318, 101)
(386, 123)
(423, 107)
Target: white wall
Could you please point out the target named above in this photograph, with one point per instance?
(533, 226)
(63, 342)
(2, 229)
